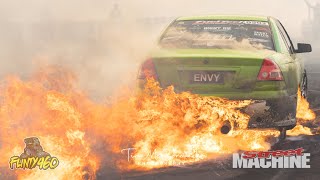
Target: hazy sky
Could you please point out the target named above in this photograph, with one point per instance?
(291, 12)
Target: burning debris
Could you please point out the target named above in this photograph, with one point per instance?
(162, 128)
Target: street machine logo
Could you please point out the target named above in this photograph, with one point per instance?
(293, 158)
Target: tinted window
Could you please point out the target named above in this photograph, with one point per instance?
(218, 34)
(286, 37)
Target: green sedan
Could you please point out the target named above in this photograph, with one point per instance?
(235, 57)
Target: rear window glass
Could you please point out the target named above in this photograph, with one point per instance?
(218, 34)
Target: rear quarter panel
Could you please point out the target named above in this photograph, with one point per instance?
(291, 65)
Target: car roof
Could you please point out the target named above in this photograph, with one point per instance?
(226, 17)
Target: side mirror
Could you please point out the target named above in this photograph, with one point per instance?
(303, 48)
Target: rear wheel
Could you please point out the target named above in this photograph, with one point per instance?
(304, 94)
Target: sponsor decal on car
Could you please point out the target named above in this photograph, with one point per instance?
(231, 22)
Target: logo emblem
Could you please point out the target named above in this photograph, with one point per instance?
(33, 156)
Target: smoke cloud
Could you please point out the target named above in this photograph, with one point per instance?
(104, 42)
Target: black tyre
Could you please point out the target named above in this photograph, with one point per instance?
(304, 85)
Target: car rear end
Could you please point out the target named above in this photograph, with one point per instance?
(224, 58)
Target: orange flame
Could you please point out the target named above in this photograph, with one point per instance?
(31, 109)
(185, 128)
(304, 113)
(165, 128)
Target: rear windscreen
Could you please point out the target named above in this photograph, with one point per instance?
(218, 34)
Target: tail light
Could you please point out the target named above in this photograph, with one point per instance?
(270, 71)
(147, 70)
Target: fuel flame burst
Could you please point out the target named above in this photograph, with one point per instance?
(38, 108)
(304, 114)
(164, 128)
(185, 128)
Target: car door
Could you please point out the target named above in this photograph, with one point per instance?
(295, 68)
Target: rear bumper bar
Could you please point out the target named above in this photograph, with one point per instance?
(273, 113)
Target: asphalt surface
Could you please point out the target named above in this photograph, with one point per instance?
(218, 169)
(222, 168)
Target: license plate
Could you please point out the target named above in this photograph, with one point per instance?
(206, 77)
